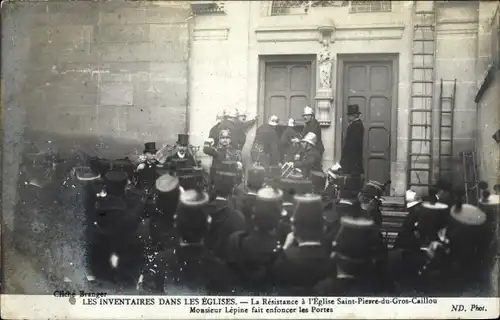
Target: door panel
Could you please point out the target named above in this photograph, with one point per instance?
(287, 90)
(369, 84)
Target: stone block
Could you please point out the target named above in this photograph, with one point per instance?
(167, 15)
(89, 18)
(123, 15)
(168, 51)
(108, 33)
(119, 93)
(122, 52)
(160, 94)
(129, 67)
(58, 54)
(53, 35)
(112, 119)
(169, 32)
(169, 71)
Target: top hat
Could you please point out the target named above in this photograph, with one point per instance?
(150, 147)
(353, 109)
(308, 210)
(357, 238)
(183, 139)
(256, 177)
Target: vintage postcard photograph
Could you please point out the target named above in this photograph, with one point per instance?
(250, 159)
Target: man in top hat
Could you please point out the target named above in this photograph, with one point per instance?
(190, 267)
(352, 151)
(183, 151)
(359, 256)
(312, 125)
(147, 169)
(305, 260)
(265, 149)
(310, 157)
(115, 252)
(253, 252)
(289, 142)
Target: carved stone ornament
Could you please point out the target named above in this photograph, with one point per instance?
(324, 93)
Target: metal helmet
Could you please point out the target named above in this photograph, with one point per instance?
(291, 122)
(232, 113)
(273, 120)
(308, 111)
(310, 138)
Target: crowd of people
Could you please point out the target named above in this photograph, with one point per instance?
(253, 231)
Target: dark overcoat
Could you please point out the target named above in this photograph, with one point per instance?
(352, 152)
(314, 127)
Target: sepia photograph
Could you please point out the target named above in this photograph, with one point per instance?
(304, 157)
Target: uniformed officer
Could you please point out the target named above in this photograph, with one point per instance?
(190, 268)
(312, 125)
(289, 142)
(359, 256)
(115, 250)
(310, 157)
(223, 151)
(226, 219)
(406, 239)
(147, 172)
(369, 199)
(305, 260)
(252, 252)
(214, 131)
(229, 124)
(265, 149)
(182, 152)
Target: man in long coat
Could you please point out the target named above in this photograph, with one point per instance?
(352, 152)
(265, 148)
(312, 125)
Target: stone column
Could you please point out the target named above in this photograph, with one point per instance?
(324, 91)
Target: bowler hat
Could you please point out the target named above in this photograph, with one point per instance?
(268, 207)
(183, 139)
(353, 109)
(150, 147)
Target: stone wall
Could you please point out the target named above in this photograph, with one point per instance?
(94, 77)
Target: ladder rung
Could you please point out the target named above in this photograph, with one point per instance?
(420, 110)
(420, 184)
(446, 98)
(445, 155)
(423, 68)
(445, 169)
(423, 54)
(446, 126)
(428, 140)
(423, 40)
(423, 81)
(446, 111)
(446, 140)
(421, 96)
(420, 169)
(424, 12)
(420, 125)
(430, 26)
(420, 154)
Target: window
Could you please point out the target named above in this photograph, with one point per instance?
(301, 7)
(370, 6)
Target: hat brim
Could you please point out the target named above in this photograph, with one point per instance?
(411, 204)
(150, 151)
(197, 203)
